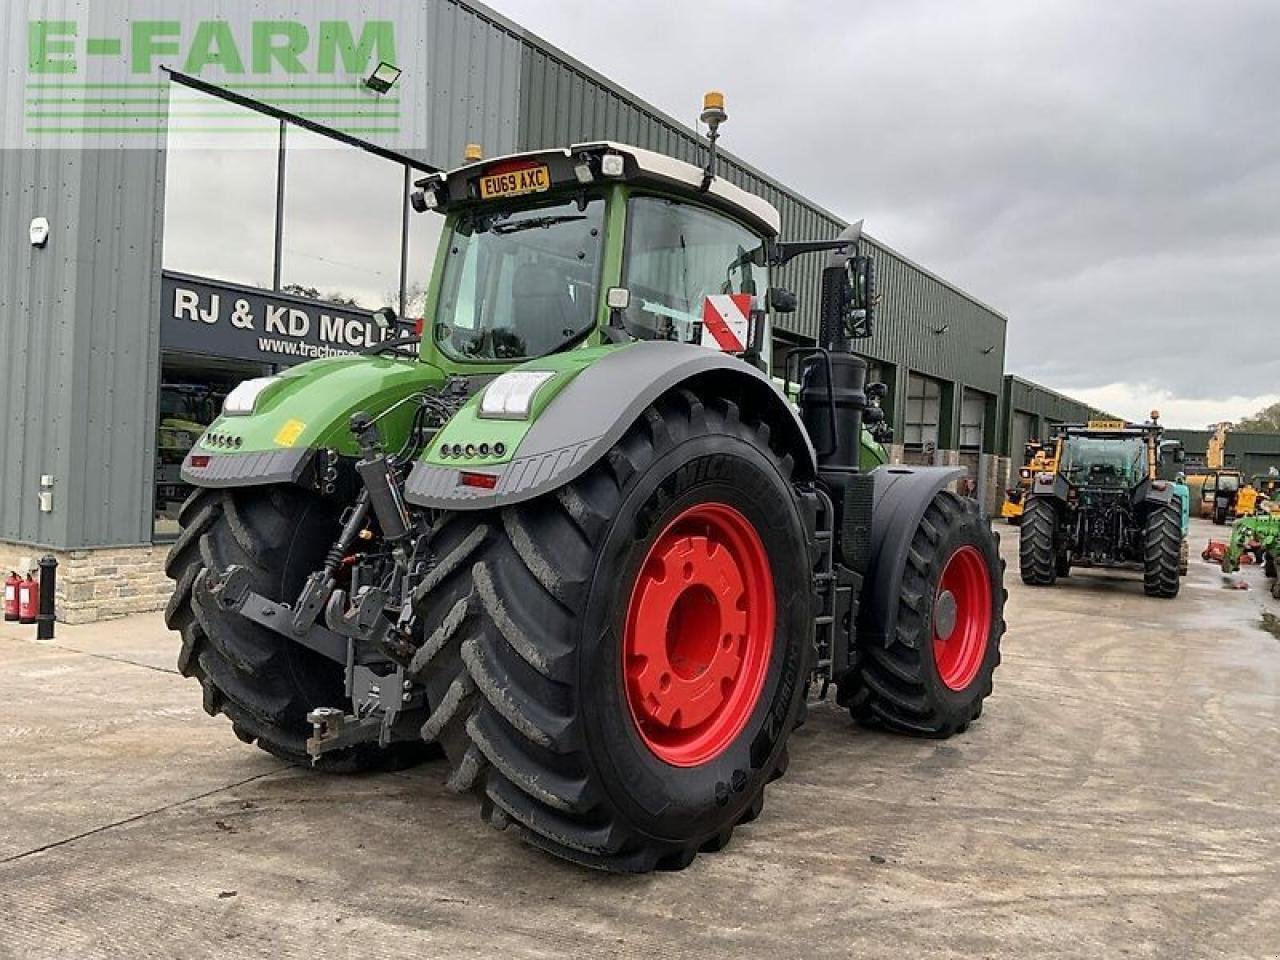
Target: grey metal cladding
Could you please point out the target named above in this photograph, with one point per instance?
(588, 417)
(1029, 397)
(256, 469)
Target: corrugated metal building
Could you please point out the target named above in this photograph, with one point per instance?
(81, 379)
(1029, 411)
(1250, 453)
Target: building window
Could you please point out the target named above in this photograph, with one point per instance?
(220, 190)
(973, 417)
(343, 220)
(924, 412)
(191, 393)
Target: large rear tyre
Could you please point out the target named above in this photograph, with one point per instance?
(1220, 516)
(1162, 548)
(262, 682)
(1184, 558)
(617, 666)
(931, 679)
(1037, 559)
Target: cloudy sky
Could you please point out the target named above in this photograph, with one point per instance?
(1106, 174)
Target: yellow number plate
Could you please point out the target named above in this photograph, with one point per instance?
(1106, 424)
(517, 182)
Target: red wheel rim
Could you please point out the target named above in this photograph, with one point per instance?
(698, 635)
(962, 617)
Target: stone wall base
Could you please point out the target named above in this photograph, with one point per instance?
(99, 583)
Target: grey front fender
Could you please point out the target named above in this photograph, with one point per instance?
(902, 494)
(593, 412)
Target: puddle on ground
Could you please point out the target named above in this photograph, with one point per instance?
(1270, 623)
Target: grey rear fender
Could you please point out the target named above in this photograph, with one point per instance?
(902, 494)
(593, 412)
(1158, 493)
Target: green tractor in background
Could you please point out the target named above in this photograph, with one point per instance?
(1105, 504)
(574, 534)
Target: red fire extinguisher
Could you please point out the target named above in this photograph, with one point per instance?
(28, 600)
(11, 585)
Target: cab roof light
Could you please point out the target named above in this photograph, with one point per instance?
(428, 196)
(612, 165)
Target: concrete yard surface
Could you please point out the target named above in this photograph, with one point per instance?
(1119, 797)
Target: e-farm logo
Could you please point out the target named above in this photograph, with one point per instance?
(81, 81)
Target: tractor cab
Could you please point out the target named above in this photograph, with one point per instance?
(600, 243)
(1113, 454)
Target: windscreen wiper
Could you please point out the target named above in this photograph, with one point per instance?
(533, 222)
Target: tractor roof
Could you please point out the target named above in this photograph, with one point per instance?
(1102, 429)
(640, 166)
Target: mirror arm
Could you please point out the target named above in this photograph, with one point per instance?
(783, 252)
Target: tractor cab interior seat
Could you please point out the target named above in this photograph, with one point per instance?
(543, 312)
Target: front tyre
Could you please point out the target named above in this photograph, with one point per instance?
(1162, 548)
(932, 677)
(617, 666)
(1037, 560)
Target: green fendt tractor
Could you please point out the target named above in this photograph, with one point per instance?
(576, 535)
(1104, 504)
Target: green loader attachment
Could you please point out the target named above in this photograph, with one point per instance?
(1260, 536)
(574, 535)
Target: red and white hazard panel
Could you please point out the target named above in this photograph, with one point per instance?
(726, 321)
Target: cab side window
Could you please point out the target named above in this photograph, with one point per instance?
(676, 256)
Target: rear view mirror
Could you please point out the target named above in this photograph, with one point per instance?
(849, 296)
(782, 300)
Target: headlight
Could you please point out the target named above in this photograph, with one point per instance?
(241, 401)
(511, 395)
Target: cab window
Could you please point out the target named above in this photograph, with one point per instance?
(520, 283)
(677, 255)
